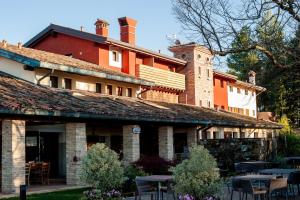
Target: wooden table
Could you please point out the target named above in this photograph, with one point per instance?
(278, 171)
(158, 179)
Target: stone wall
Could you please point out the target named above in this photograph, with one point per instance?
(229, 151)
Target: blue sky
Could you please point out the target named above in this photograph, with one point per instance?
(22, 19)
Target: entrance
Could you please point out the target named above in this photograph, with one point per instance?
(149, 141)
(44, 147)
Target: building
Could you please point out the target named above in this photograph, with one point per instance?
(53, 106)
(118, 55)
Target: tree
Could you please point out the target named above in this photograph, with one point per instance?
(216, 23)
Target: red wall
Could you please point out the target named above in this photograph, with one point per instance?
(220, 93)
(94, 53)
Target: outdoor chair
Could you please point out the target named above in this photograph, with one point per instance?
(248, 188)
(294, 179)
(144, 188)
(278, 185)
(169, 189)
(235, 187)
(27, 173)
(45, 173)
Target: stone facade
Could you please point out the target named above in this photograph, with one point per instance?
(199, 74)
(131, 144)
(192, 137)
(165, 142)
(76, 149)
(13, 155)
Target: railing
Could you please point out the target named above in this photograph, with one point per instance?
(162, 77)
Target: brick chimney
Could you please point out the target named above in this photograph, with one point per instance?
(102, 27)
(252, 76)
(127, 32)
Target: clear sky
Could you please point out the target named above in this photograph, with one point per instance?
(22, 19)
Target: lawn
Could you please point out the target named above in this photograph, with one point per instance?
(66, 195)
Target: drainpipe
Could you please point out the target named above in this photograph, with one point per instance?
(46, 75)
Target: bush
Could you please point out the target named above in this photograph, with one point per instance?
(289, 144)
(197, 176)
(102, 170)
(130, 173)
(154, 165)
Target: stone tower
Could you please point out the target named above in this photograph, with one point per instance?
(198, 72)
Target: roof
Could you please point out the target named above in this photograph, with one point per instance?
(238, 82)
(25, 99)
(42, 59)
(99, 39)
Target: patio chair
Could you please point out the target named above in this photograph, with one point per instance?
(235, 187)
(169, 189)
(278, 185)
(144, 188)
(27, 173)
(45, 173)
(294, 179)
(247, 188)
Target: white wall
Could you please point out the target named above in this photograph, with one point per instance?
(16, 69)
(241, 100)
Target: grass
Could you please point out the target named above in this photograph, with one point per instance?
(65, 195)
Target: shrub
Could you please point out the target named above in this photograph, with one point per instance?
(130, 173)
(154, 164)
(102, 170)
(197, 176)
(289, 144)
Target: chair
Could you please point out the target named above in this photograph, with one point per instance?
(294, 179)
(45, 172)
(279, 184)
(236, 187)
(247, 188)
(144, 188)
(169, 189)
(27, 173)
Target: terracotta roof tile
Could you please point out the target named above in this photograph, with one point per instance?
(26, 99)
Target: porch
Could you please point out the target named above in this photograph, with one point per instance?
(63, 145)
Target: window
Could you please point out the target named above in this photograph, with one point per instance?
(230, 88)
(119, 91)
(109, 89)
(199, 71)
(208, 104)
(222, 84)
(203, 135)
(214, 81)
(235, 135)
(129, 92)
(200, 102)
(247, 112)
(115, 56)
(215, 135)
(68, 83)
(54, 81)
(246, 92)
(98, 88)
(199, 56)
(253, 94)
(207, 71)
(183, 56)
(222, 107)
(243, 135)
(238, 90)
(253, 112)
(255, 134)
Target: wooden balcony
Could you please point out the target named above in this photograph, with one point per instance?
(162, 78)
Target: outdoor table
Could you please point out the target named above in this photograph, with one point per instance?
(256, 177)
(158, 179)
(276, 171)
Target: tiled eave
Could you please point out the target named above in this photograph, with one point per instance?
(40, 64)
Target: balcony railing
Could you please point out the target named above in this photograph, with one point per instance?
(162, 77)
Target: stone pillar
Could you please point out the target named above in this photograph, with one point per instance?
(131, 144)
(13, 155)
(76, 148)
(166, 142)
(192, 137)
